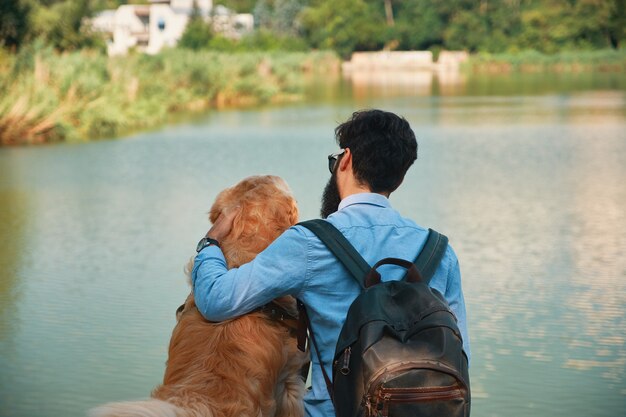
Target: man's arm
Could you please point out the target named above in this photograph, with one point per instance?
(279, 270)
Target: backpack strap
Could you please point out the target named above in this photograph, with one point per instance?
(426, 263)
(340, 247)
(302, 333)
(429, 258)
(350, 258)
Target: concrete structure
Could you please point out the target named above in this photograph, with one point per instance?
(404, 61)
(451, 60)
(385, 60)
(151, 27)
(404, 72)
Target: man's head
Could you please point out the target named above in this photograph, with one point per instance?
(382, 147)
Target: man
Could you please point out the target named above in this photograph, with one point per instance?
(377, 149)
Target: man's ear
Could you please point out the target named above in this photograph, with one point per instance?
(346, 160)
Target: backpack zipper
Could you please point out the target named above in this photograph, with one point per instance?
(387, 396)
(345, 366)
(418, 394)
(376, 379)
(378, 399)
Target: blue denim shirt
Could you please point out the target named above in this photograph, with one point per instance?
(298, 264)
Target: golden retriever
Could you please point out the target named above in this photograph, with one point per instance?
(245, 367)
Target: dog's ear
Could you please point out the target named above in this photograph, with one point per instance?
(238, 221)
(214, 213)
(216, 208)
(222, 201)
(189, 303)
(294, 213)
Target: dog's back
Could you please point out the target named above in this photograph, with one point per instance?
(148, 408)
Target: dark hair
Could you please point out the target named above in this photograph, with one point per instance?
(383, 147)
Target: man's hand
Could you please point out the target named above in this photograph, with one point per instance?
(224, 223)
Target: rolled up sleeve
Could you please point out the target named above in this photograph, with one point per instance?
(221, 294)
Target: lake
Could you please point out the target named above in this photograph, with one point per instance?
(525, 174)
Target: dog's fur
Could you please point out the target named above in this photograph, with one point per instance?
(245, 367)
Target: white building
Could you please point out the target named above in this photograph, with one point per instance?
(161, 23)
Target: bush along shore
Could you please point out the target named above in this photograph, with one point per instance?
(84, 95)
(603, 60)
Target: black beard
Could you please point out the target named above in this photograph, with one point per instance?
(330, 198)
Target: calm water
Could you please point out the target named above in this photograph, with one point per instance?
(525, 175)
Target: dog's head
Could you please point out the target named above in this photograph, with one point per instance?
(267, 209)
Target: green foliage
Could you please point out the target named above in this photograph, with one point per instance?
(222, 44)
(59, 23)
(14, 22)
(466, 31)
(344, 26)
(278, 16)
(49, 96)
(265, 40)
(197, 35)
(419, 25)
(494, 26)
(240, 6)
(535, 61)
(259, 40)
(56, 22)
(277, 35)
(549, 26)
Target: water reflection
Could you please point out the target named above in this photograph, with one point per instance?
(14, 206)
(392, 83)
(456, 98)
(14, 229)
(597, 254)
(539, 227)
(455, 83)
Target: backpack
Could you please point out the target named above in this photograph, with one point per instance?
(399, 352)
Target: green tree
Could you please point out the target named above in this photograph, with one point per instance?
(278, 16)
(14, 23)
(503, 21)
(198, 33)
(599, 22)
(466, 30)
(60, 23)
(344, 26)
(547, 28)
(616, 30)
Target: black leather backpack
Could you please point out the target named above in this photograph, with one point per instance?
(399, 353)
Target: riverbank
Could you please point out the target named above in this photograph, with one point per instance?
(80, 96)
(49, 97)
(604, 60)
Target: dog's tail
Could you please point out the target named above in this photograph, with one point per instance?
(146, 408)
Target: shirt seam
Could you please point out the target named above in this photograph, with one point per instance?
(306, 265)
(449, 265)
(342, 228)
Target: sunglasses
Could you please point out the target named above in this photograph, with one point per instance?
(332, 160)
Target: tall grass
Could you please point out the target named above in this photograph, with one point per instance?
(80, 96)
(533, 61)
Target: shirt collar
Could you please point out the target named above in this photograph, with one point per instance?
(365, 198)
